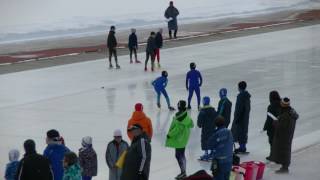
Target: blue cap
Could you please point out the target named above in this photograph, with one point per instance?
(206, 101)
(223, 92)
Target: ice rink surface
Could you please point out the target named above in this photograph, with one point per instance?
(71, 99)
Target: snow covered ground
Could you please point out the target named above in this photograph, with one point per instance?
(34, 19)
(70, 98)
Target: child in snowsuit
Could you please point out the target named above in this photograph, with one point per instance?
(178, 136)
(88, 159)
(12, 166)
(133, 45)
(150, 51)
(160, 85)
(193, 83)
(206, 122)
(224, 106)
(221, 143)
(72, 170)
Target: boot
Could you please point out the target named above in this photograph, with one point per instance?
(159, 105)
(159, 66)
(110, 66)
(131, 61)
(138, 62)
(171, 108)
(117, 66)
(145, 69)
(282, 170)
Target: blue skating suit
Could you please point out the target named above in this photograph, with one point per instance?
(159, 86)
(193, 84)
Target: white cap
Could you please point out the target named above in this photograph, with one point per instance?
(87, 140)
(14, 155)
(117, 133)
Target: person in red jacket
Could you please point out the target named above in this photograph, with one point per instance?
(139, 117)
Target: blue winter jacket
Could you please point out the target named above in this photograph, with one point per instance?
(194, 79)
(160, 83)
(11, 170)
(221, 142)
(55, 153)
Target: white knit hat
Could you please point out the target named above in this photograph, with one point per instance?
(87, 140)
(14, 155)
(117, 133)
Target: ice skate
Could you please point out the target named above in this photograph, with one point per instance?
(158, 105)
(159, 66)
(131, 61)
(117, 66)
(110, 66)
(138, 62)
(145, 69)
(282, 170)
(181, 176)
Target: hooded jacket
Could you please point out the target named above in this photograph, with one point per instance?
(72, 172)
(111, 41)
(206, 121)
(180, 130)
(139, 117)
(88, 161)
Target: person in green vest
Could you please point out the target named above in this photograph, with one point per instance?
(178, 136)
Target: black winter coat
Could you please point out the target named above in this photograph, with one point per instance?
(240, 123)
(206, 121)
(172, 12)
(112, 41)
(284, 131)
(224, 110)
(34, 167)
(151, 45)
(133, 41)
(88, 161)
(138, 159)
(274, 108)
(159, 40)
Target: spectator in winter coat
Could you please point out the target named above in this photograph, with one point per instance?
(272, 113)
(160, 85)
(114, 150)
(133, 45)
(112, 46)
(221, 142)
(283, 135)
(178, 136)
(137, 161)
(224, 106)
(193, 84)
(12, 166)
(150, 51)
(240, 123)
(138, 117)
(159, 44)
(206, 122)
(55, 152)
(88, 159)
(71, 166)
(33, 166)
(171, 14)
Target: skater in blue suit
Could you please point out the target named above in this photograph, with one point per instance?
(160, 85)
(193, 83)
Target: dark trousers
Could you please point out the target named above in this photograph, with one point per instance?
(152, 55)
(175, 33)
(197, 91)
(86, 177)
(224, 171)
(133, 51)
(113, 52)
(181, 158)
(158, 54)
(165, 94)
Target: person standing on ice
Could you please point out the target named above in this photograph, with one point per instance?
(55, 152)
(12, 166)
(206, 122)
(150, 51)
(284, 131)
(171, 14)
(193, 84)
(221, 143)
(159, 44)
(88, 159)
(240, 123)
(139, 117)
(178, 136)
(34, 166)
(137, 161)
(160, 85)
(112, 46)
(272, 114)
(133, 45)
(114, 150)
(224, 106)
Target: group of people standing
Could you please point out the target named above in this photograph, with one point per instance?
(154, 42)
